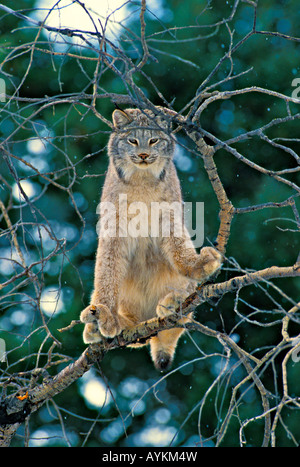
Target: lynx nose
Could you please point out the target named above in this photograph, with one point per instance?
(144, 156)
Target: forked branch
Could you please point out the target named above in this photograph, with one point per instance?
(17, 407)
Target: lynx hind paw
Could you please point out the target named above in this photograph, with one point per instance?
(163, 311)
(91, 333)
(169, 304)
(212, 260)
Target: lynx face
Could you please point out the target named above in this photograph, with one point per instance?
(141, 143)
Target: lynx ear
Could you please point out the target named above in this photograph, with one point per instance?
(164, 122)
(120, 118)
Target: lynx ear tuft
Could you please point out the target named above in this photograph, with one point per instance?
(164, 119)
(120, 118)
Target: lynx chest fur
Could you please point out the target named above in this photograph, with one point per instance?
(146, 264)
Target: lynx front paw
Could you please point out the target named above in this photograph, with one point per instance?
(90, 314)
(101, 316)
(210, 260)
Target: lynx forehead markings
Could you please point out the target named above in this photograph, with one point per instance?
(140, 277)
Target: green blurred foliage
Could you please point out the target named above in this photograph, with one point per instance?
(75, 150)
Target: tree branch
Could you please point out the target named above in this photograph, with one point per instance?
(17, 407)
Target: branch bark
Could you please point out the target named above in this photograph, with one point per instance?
(16, 408)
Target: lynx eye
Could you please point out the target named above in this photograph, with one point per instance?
(133, 141)
(153, 141)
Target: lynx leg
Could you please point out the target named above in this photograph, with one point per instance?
(188, 263)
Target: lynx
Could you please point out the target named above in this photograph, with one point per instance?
(139, 277)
